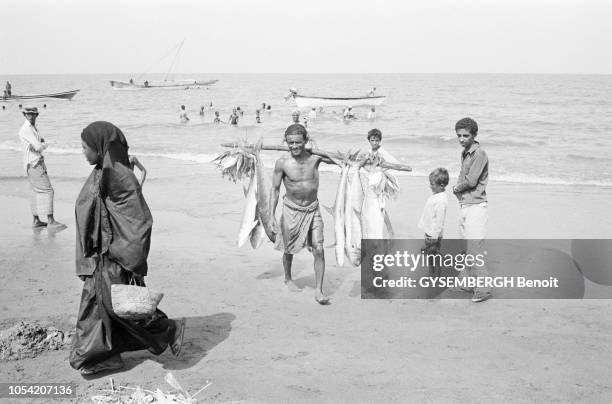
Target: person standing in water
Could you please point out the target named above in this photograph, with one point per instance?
(183, 115)
(233, 118)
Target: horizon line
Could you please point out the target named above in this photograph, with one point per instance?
(314, 73)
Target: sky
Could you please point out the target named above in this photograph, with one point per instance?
(308, 36)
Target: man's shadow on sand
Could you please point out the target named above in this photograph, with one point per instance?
(202, 334)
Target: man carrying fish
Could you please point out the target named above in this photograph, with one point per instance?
(301, 224)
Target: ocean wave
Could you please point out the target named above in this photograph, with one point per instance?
(194, 157)
(14, 146)
(533, 179)
(588, 158)
(269, 160)
(517, 178)
(10, 145)
(443, 140)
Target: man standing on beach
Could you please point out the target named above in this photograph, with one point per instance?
(470, 190)
(301, 224)
(33, 145)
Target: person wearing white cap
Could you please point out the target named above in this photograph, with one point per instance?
(33, 144)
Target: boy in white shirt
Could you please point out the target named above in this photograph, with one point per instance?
(434, 212)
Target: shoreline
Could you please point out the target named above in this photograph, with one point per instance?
(12, 158)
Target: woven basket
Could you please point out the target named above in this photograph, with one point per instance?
(133, 302)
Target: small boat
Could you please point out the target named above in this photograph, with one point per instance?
(66, 95)
(163, 85)
(303, 101)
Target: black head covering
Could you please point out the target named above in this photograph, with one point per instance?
(105, 137)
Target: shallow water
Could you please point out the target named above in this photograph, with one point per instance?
(535, 128)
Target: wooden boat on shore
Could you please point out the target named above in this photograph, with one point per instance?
(303, 101)
(66, 95)
(161, 85)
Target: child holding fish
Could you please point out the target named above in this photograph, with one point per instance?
(378, 186)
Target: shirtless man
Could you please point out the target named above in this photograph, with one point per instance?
(233, 119)
(301, 224)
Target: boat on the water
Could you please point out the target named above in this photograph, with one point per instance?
(163, 85)
(305, 101)
(168, 83)
(66, 95)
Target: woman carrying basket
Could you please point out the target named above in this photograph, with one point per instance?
(113, 228)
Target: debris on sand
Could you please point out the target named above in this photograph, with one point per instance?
(28, 339)
(138, 395)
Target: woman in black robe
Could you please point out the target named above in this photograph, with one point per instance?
(113, 225)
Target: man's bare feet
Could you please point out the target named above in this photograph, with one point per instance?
(292, 286)
(39, 225)
(321, 298)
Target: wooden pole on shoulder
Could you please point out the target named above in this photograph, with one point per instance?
(318, 152)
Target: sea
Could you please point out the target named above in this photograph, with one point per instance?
(536, 129)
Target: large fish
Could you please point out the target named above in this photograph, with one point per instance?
(352, 212)
(249, 217)
(263, 197)
(372, 211)
(338, 213)
(379, 186)
(257, 235)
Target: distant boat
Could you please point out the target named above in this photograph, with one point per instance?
(66, 95)
(304, 101)
(163, 85)
(168, 83)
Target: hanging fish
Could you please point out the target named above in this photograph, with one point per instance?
(352, 214)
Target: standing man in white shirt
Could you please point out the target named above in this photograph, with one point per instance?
(33, 145)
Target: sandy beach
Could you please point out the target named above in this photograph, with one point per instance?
(257, 342)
